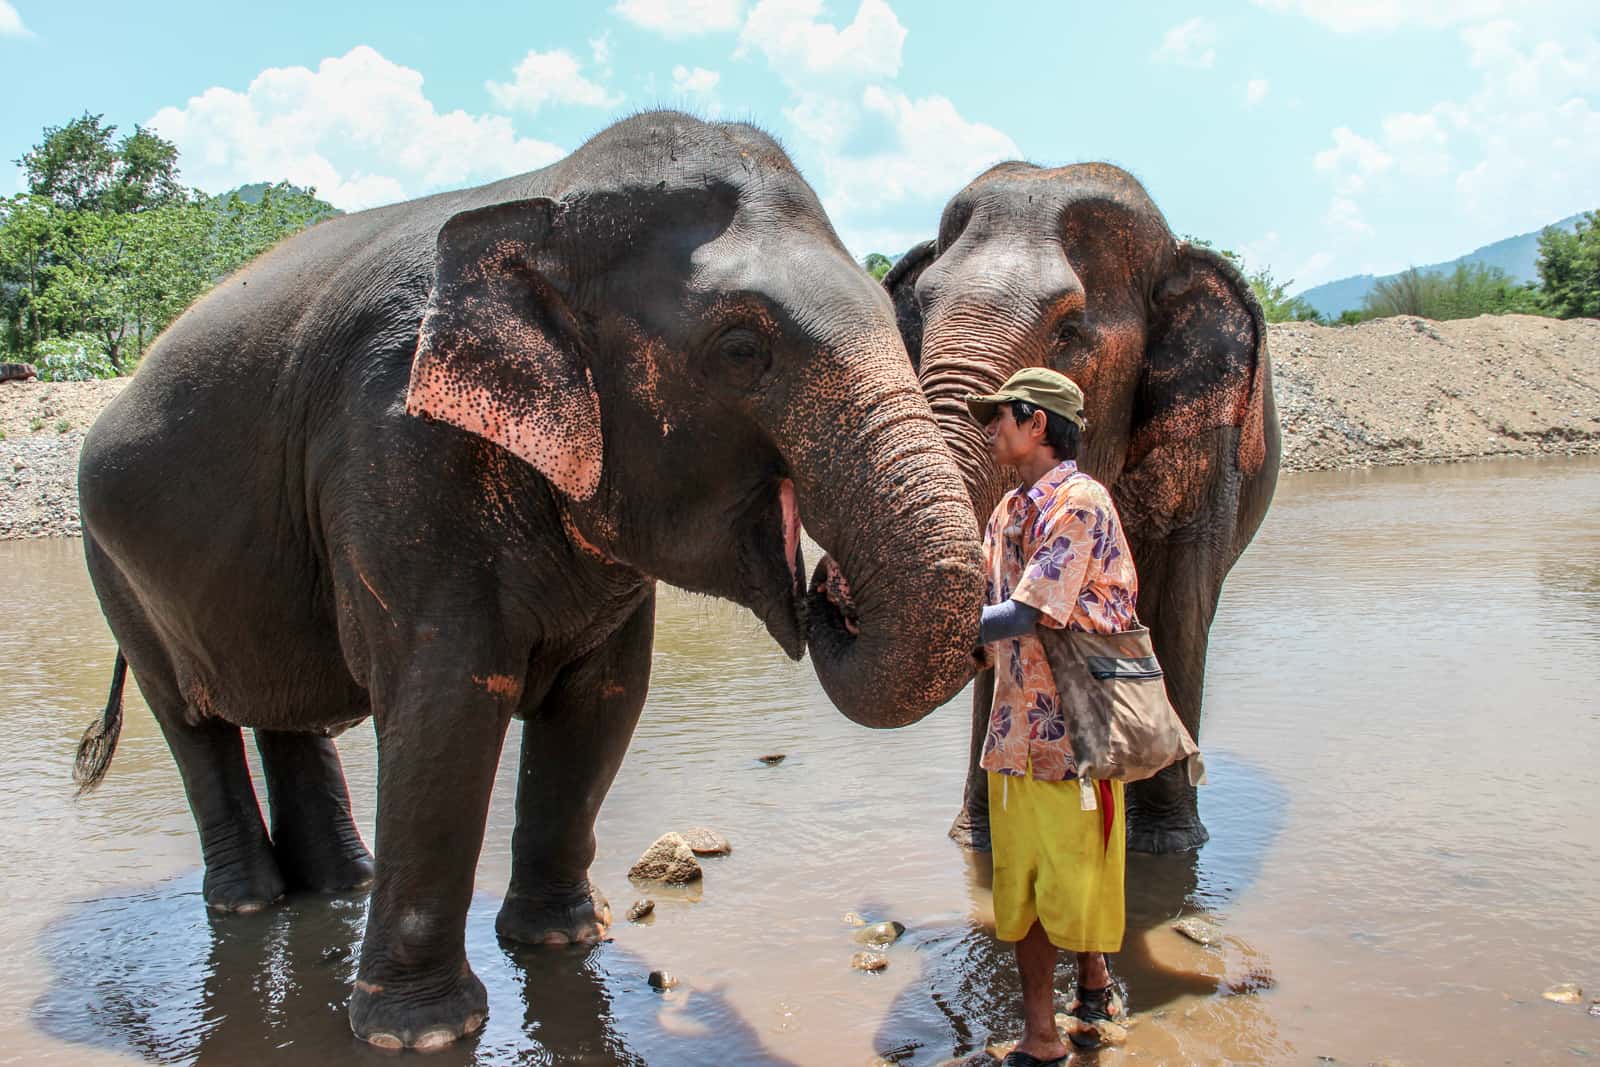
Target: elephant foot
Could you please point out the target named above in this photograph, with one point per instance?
(424, 1017)
(334, 870)
(1150, 835)
(971, 830)
(583, 918)
(244, 888)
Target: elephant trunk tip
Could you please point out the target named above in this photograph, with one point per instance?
(99, 741)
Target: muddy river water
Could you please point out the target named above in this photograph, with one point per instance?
(1403, 731)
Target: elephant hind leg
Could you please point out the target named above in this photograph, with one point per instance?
(314, 835)
(241, 873)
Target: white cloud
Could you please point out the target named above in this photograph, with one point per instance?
(926, 151)
(1314, 270)
(800, 48)
(359, 128)
(600, 49)
(11, 22)
(549, 78)
(1189, 44)
(696, 82)
(1518, 151)
(1255, 91)
(682, 18)
(1352, 160)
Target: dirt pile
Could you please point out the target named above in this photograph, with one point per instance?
(1409, 390)
(1400, 390)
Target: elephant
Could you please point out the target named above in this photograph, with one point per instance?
(17, 372)
(1075, 268)
(426, 463)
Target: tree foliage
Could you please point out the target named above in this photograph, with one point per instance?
(877, 265)
(1569, 268)
(1471, 289)
(107, 247)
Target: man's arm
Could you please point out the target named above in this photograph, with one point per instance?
(1001, 622)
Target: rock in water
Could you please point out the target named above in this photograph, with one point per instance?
(869, 961)
(852, 919)
(886, 933)
(771, 759)
(669, 860)
(663, 980)
(640, 909)
(706, 842)
(1565, 993)
(1200, 930)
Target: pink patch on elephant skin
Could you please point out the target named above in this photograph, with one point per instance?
(489, 362)
(791, 529)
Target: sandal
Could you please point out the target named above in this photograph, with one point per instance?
(1092, 1009)
(1022, 1059)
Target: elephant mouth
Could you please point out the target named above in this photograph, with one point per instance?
(785, 613)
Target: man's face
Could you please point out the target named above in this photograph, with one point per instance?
(1010, 442)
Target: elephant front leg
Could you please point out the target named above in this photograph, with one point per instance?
(440, 727)
(571, 749)
(314, 836)
(1163, 813)
(971, 828)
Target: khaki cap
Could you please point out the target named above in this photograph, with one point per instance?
(1038, 386)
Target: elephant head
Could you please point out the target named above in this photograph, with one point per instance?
(1075, 269)
(679, 343)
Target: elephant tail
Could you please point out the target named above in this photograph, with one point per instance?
(99, 741)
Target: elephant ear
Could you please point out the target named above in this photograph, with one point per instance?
(498, 354)
(1201, 407)
(901, 281)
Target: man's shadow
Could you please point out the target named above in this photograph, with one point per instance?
(150, 974)
(969, 995)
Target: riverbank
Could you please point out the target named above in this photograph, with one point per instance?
(1392, 391)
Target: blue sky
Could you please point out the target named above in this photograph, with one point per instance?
(1320, 138)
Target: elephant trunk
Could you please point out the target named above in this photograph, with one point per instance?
(960, 358)
(907, 548)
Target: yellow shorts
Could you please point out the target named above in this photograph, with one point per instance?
(1056, 863)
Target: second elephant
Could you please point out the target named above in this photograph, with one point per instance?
(1074, 268)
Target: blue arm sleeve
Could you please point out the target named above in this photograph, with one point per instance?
(1004, 621)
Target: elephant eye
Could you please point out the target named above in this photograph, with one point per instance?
(1071, 328)
(742, 356)
(740, 346)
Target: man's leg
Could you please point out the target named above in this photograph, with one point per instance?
(1092, 971)
(1036, 961)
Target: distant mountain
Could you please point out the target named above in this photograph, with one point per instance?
(1516, 256)
(252, 194)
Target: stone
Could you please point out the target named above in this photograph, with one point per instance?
(663, 980)
(1565, 993)
(668, 860)
(1198, 929)
(704, 841)
(869, 961)
(852, 919)
(640, 909)
(771, 759)
(885, 933)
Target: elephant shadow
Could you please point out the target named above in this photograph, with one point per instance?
(968, 994)
(151, 975)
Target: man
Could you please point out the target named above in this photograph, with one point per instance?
(1055, 556)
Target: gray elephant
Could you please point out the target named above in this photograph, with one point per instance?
(426, 463)
(1075, 268)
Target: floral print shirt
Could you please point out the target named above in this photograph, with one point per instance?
(1057, 547)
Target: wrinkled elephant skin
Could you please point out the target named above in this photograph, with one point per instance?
(427, 462)
(1075, 269)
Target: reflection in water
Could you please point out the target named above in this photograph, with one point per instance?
(1400, 728)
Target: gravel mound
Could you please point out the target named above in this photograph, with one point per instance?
(1390, 391)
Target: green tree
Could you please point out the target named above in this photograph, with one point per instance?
(27, 230)
(878, 264)
(1469, 290)
(79, 167)
(1569, 269)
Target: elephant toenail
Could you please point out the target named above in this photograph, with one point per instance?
(435, 1039)
(382, 1039)
(474, 1021)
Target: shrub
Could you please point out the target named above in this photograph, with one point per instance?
(77, 357)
